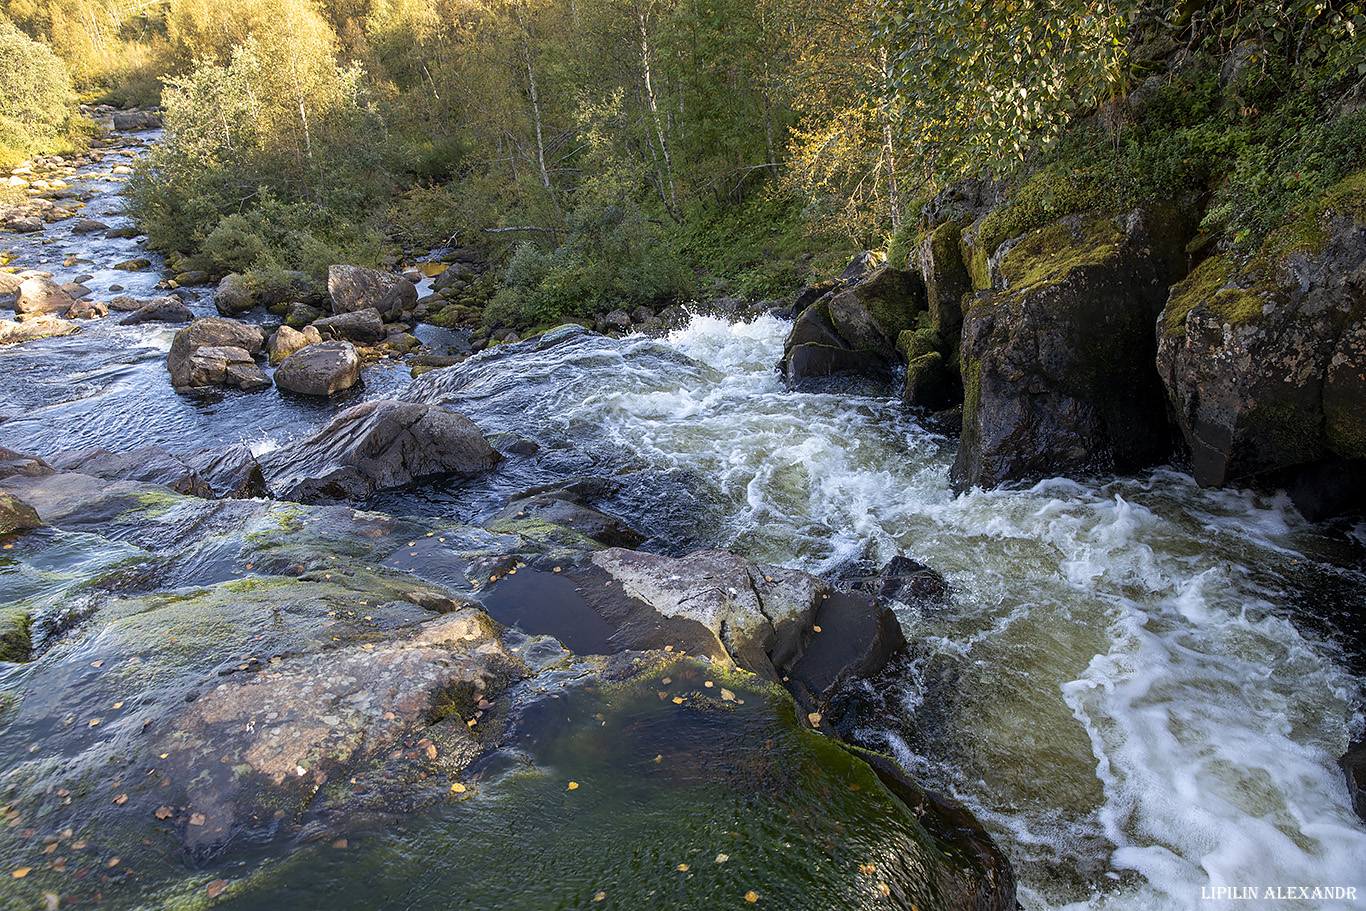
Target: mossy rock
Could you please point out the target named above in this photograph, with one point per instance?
(1212, 286)
(1048, 255)
(929, 384)
(1058, 363)
(16, 515)
(15, 644)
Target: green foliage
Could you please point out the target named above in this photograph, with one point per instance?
(268, 159)
(980, 86)
(35, 95)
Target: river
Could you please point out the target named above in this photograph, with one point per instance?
(1140, 687)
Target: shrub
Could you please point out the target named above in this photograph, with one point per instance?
(35, 95)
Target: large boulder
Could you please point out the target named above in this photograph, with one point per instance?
(42, 296)
(228, 361)
(322, 369)
(222, 365)
(1058, 359)
(286, 341)
(167, 309)
(363, 327)
(9, 284)
(374, 446)
(137, 121)
(1265, 367)
(12, 333)
(855, 330)
(781, 624)
(148, 464)
(354, 288)
(238, 293)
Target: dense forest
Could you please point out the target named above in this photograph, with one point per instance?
(611, 152)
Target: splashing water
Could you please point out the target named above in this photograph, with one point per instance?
(1136, 683)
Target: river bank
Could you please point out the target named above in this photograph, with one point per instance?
(1140, 686)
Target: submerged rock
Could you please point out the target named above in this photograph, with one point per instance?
(12, 333)
(375, 446)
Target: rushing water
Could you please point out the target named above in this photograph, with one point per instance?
(1141, 687)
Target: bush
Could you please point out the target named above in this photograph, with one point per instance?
(35, 95)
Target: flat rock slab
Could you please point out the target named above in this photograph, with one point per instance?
(13, 333)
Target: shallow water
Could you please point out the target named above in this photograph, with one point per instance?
(1140, 687)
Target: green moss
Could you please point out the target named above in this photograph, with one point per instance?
(916, 343)
(1047, 255)
(1306, 231)
(975, 259)
(1211, 284)
(542, 532)
(15, 644)
(944, 243)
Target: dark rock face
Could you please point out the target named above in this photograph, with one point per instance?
(1353, 764)
(854, 331)
(1058, 361)
(374, 446)
(353, 288)
(1266, 370)
(216, 351)
(323, 369)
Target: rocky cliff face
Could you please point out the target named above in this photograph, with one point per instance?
(1058, 354)
(1265, 365)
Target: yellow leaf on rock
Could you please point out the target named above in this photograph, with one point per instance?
(682, 868)
(165, 812)
(600, 896)
(121, 799)
(722, 858)
(815, 719)
(458, 788)
(21, 872)
(678, 700)
(573, 785)
(751, 897)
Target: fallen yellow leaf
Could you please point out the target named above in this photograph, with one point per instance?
(601, 895)
(22, 872)
(165, 812)
(682, 868)
(216, 888)
(196, 819)
(751, 897)
(573, 785)
(815, 719)
(678, 700)
(121, 799)
(885, 889)
(722, 858)
(458, 788)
